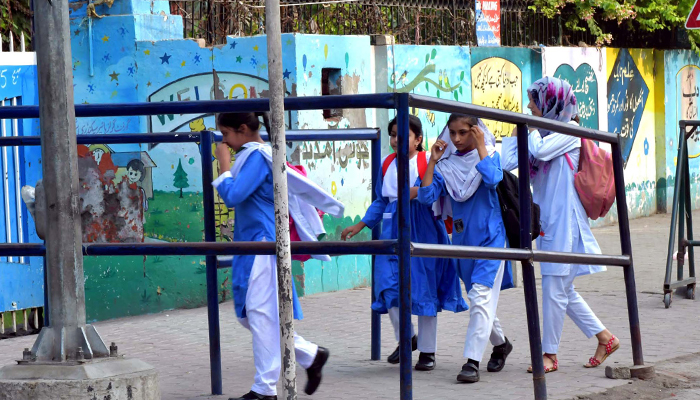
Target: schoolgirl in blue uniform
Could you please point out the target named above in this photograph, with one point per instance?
(465, 166)
(434, 282)
(248, 188)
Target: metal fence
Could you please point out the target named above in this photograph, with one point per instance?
(433, 22)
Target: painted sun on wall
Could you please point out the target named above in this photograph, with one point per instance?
(497, 83)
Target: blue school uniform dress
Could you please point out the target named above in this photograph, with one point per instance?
(476, 222)
(252, 196)
(434, 283)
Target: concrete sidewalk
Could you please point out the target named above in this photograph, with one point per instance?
(175, 342)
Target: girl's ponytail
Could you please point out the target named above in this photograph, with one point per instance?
(266, 120)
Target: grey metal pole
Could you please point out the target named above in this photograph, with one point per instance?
(64, 259)
(279, 177)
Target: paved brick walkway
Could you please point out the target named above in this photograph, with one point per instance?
(176, 342)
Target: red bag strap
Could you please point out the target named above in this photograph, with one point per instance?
(422, 164)
(387, 162)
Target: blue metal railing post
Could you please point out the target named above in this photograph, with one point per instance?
(529, 284)
(206, 142)
(376, 348)
(626, 247)
(404, 248)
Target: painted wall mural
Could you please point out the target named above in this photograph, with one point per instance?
(435, 71)
(498, 83)
(500, 78)
(627, 97)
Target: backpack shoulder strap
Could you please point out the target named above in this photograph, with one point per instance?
(387, 162)
(422, 164)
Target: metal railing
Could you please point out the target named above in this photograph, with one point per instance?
(682, 212)
(402, 246)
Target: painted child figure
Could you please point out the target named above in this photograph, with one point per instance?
(434, 282)
(248, 188)
(464, 164)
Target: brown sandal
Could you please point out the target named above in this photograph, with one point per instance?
(555, 365)
(609, 349)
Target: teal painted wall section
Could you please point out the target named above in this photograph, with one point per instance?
(342, 168)
(682, 73)
(435, 71)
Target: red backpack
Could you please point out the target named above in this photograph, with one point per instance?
(422, 167)
(595, 179)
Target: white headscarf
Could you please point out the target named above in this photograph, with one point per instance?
(461, 177)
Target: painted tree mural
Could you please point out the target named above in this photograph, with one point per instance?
(180, 178)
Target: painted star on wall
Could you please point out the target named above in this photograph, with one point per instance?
(165, 59)
(233, 45)
(115, 76)
(105, 38)
(197, 58)
(148, 84)
(76, 32)
(106, 57)
(182, 64)
(255, 47)
(286, 73)
(147, 52)
(239, 59)
(91, 88)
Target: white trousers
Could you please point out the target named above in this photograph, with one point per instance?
(559, 298)
(483, 322)
(262, 320)
(427, 330)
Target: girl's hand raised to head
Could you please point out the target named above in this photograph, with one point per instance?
(223, 154)
(438, 150)
(478, 136)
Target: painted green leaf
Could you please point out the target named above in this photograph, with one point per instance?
(438, 94)
(460, 90)
(427, 58)
(461, 76)
(427, 87)
(433, 54)
(456, 95)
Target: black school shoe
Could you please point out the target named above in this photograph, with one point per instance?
(254, 396)
(498, 356)
(394, 357)
(313, 373)
(469, 373)
(426, 362)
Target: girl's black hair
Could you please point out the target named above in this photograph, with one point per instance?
(577, 119)
(414, 125)
(473, 121)
(137, 165)
(235, 120)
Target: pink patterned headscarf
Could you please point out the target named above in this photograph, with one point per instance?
(556, 99)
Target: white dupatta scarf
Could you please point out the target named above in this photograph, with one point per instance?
(459, 171)
(304, 197)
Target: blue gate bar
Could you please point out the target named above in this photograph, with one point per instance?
(404, 249)
(293, 135)
(380, 100)
(493, 253)
(385, 247)
(431, 103)
(529, 283)
(376, 329)
(212, 273)
(626, 247)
